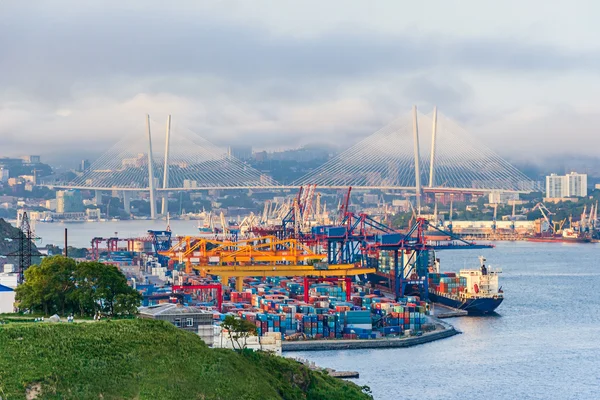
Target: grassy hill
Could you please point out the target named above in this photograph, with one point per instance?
(143, 359)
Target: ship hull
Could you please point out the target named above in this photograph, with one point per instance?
(558, 240)
(472, 306)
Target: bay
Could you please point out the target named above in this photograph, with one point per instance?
(544, 342)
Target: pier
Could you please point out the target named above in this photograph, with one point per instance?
(331, 372)
(443, 331)
(442, 311)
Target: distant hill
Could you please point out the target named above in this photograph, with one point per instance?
(146, 359)
(540, 166)
(8, 245)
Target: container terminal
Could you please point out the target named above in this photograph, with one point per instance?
(353, 283)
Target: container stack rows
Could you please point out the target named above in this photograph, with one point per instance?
(276, 305)
(447, 283)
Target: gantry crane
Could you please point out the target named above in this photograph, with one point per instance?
(261, 256)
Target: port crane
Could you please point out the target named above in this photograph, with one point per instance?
(262, 256)
(547, 214)
(265, 215)
(451, 212)
(494, 224)
(558, 225)
(513, 218)
(343, 209)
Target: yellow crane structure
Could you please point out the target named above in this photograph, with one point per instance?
(558, 225)
(239, 272)
(261, 256)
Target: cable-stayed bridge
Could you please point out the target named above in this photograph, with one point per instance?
(415, 152)
(432, 148)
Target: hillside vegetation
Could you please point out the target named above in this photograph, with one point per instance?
(61, 285)
(145, 359)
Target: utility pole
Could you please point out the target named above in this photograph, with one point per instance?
(66, 244)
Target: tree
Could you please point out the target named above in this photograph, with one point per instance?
(401, 220)
(239, 331)
(127, 304)
(59, 285)
(103, 287)
(47, 286)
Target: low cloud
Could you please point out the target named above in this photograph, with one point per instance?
(84, 78)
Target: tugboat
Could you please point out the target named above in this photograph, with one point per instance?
(207, 225)
(473, 290)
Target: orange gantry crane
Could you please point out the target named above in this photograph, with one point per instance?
(261, 256)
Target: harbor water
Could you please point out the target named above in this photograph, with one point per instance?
(543, 344)
(80, 234)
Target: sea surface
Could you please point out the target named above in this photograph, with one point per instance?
(80, 234)
(543, 344)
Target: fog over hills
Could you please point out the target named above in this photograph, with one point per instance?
(78, 76)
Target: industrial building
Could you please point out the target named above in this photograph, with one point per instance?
(192, 319)
(68, 201)
(7, 299)
(8, 277)
(241, 152)
(499, 197)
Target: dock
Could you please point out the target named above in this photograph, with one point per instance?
(441, 311)
(342, 374)
(444, 330)
(331, 372)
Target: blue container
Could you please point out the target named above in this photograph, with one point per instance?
(336, 231)
(392, 330)
(392, 238)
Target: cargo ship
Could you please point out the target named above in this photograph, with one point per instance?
(568, 235)
(473, 290)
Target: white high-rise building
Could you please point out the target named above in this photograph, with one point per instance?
(576, 184)
(4, 174)
(570, 185)
(554, 186)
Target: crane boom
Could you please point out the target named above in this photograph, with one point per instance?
(345, 204)
(543, 209)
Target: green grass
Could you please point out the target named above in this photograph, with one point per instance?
(144, 359)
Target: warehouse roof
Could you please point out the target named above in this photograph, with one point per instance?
(6, 289)
(172, 309)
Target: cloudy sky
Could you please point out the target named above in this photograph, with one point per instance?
(523, 76)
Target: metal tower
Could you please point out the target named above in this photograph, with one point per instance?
(24, 253)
